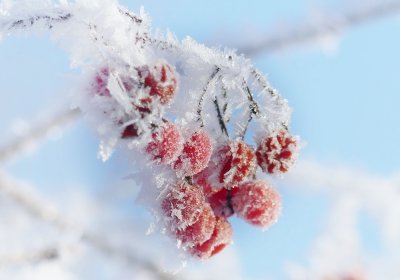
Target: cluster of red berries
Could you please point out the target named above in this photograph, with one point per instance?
(219, 184)
(229, 180)
(211, 184)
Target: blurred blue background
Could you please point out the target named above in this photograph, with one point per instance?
(344, 96)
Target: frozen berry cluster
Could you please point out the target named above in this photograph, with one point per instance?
(213, 181)
(216, 185)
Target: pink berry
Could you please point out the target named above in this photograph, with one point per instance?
(166, 145)
(220, 238)
(183, 205)
(257, 203)
(161, 80)
(200, 231)
(277, 152)
(195, 155)
(101, 81)
(238, 162)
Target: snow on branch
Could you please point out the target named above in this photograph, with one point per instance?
(31, 257)
(36, 133)
(183, 113)
(39, 208)
(340, 247)
(326, 25)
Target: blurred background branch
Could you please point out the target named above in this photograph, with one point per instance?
(41, 209)
(325, 25)
(32, 257)
(37, 132)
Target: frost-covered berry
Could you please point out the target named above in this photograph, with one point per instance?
(166, 144)
(277, 152)
(238, 162)
(257, 203)
(101, 81)
(200, 231)
(183, 204)
(202, 179)
(130, 131)
(161, 81)
(220, 238)
(221, 201)
(195, 155)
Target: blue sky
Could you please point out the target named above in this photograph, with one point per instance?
(345, 105)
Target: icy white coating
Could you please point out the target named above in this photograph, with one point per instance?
(215, 90)
(258, 203)
(102, 34)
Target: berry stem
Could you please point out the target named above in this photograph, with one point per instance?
(254, 109)
(220, 118)
(229, 201)
(201, 101)
(225, 107)
(266, 86)
(189, 180)
(263, 83)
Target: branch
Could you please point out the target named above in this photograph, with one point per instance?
(46, 254)
(40, 209)
(201, 101)
(332, 25)
(220, 117)
(48, 20)
(36, 134)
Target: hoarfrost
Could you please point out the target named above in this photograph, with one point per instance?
(214, 91)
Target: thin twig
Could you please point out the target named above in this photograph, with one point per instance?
(220, 118)
(263, 82)
(48, 20)
(254, 109)
(331, 26)
(37, 133)
(134, 18)
(226, 101)
(41, 210)
(201, 100)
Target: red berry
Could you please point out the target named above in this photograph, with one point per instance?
(166, 145)
(183, 205)
(219, 199)
(238, 162)
(257, 203)
(200, 231)
(101, 81)
(195, 155)
(221, 202)
(277, 152)
(220, 238)
(202, 179)
(130, 131)
(161, 81)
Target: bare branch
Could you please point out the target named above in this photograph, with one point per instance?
(48, 20)
(46, 254)
(36, 134)
(201, 101)
(40, 209)
(332, 25)
(221, 121)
